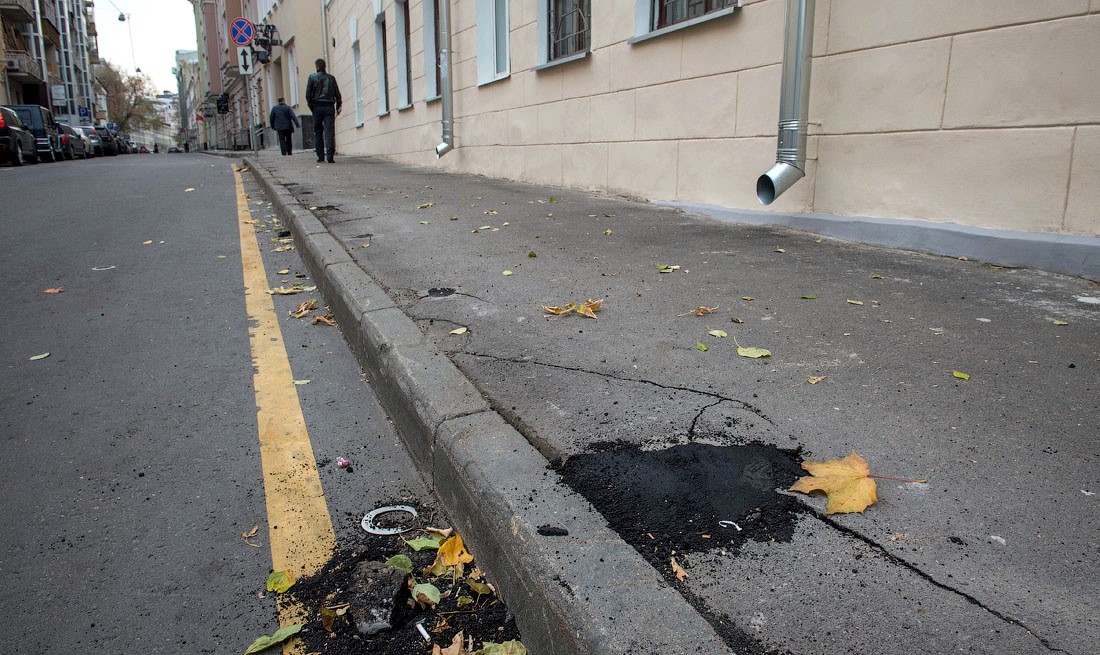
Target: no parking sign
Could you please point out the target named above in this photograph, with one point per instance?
(241, 31)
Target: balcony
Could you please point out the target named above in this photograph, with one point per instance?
(17, 11)
(22, 67)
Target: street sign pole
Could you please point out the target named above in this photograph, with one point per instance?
(241, 32)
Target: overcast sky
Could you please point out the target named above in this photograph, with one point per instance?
(160, 27)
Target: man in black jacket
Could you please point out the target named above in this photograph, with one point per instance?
(323, 98)
(283, 121)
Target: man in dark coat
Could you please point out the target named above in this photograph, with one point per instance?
(323, 98)
(283, 121)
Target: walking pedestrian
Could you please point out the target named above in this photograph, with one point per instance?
(323, 98)
(283, 121)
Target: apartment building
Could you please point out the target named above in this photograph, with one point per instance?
(219, 78)
(190, 106)
(49, 48)
(984, 114)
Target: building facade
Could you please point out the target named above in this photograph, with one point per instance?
(984, 113)
(49, 49)
(190, 105)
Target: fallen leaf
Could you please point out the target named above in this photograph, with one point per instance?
(846, 482)
(960, 375)
(38, 357)
(607, 233)
(426, 594)
(815, 379)
(1055, 322)
(479, 588)
(251, 533)
(401, 563)
(752, 353)
(532, 254)
(285, 291)
(507, 648)
(283, 272)
(554, 200)
(720, 334)
(734, 319)
(747, 298)
(491, 212)
(264, 642)
(301, 382)
(810, 297)
(327, 319)
(62, 290)
(506, 273)
(666, 268)
(303, 309)
(145, 243)
(699, 345)
(328, 618)
(701, 310)
(189, 189)
(461, 330)
(426, 205)
(422, 543)
(280, 581)
(780, 250)
(555, 310)
(854, 302)
(440, 534)
(453, 552)
(454, 649)
(463, 601)
(876, 276)
(681, 574)
(590, 307)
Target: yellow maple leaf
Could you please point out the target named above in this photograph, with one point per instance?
(453, 552)
(847, 482)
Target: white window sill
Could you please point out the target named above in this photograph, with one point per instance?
(433, 99)
(384, 113)
(360, 124)
(562, 60)
(502, 76)
(405, 107)
(705, 18)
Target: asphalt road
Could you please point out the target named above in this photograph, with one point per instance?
(129, 459)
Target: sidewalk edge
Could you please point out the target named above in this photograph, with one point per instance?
(586, 593)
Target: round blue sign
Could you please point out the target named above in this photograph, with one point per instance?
(241, 31)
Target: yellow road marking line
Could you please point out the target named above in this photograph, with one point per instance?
(299, 526)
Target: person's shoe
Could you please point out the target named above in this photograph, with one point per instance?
(331, 160)
(320, 161)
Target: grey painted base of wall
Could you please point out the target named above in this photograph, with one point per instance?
(1059, 253)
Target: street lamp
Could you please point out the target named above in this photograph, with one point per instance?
(125, 18)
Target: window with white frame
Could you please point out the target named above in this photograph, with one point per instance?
(567, 28)
(292, 73)
(433, 40)
(404, 55)
(357, 65)
(492, 41)
(380, 55)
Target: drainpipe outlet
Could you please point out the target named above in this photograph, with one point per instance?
(778, 179)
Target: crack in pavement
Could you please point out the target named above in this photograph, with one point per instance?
(744, 405)
(881, 550)
(699, 415)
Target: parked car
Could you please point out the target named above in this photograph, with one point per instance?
(16, 141)
(174, 149)
(72, 144)
(123, 144)
(108, 137)
(94, 139)
(41, 123)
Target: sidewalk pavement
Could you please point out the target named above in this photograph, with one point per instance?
(628, 414)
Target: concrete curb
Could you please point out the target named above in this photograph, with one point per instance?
(585, 593)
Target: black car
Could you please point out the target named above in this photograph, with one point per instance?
(16, 141)
(72, 144)
(47, 133)
(109, 138)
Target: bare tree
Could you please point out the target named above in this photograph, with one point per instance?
(128, 99)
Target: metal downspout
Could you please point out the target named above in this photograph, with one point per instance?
(445, 81)
(324, 29)
(794, 103)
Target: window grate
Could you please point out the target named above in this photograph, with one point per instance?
(670, 12)
(569, 21)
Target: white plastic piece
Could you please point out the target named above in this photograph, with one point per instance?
(368, 521)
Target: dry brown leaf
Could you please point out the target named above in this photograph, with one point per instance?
(816, 378)
(327, 319)
(679, 571)
(847, 482)
(304, 308)
(461, 330)
(456, 647)
(555, 310)
(251, 533)
(701, 310)
(54, 290)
